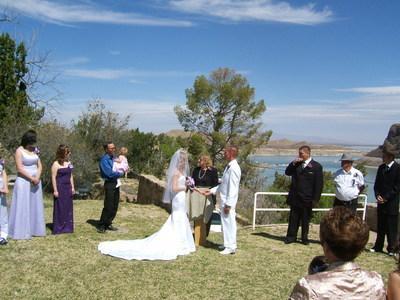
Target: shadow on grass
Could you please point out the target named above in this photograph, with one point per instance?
(49, 226)
(94, 223)
(212, 245)
(278, 237)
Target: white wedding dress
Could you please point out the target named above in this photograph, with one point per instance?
(173, 239)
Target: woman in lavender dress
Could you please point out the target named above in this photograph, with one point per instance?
(63, 190)
(26, 212)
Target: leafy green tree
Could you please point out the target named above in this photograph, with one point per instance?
(17, 114)
(222, 109)
(96, 125)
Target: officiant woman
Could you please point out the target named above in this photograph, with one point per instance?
(205, 175)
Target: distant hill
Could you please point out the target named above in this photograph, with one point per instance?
(177, 133)
(288, 147)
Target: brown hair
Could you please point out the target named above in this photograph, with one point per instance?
(207, 160)
(344, 233)
(123, 151)
(305, 147)
(62, 152)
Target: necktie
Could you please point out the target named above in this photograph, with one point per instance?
(227, 168)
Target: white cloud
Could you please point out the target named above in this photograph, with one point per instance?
(255, 10)
(121, 73)
(375, 90)
(97, 74)
(134, 81)
(365, 119)
(115, 52)
(79, 60)
(64, 13)
(148, 115)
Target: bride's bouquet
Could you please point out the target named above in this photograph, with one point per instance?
(190, 183)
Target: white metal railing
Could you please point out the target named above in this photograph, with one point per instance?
(255, 209)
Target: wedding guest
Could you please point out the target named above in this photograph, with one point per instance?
(27, 211)
(228, 190)
(63, 191)
(349, 183)
(387, 189)
(343, 236)
(393, 289)
(205, 175)
(305, 192)
(111, 191)
(3, 204)
(120, 163)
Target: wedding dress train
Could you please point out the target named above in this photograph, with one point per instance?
(173, 239)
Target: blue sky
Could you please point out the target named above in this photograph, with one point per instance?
(328, 70)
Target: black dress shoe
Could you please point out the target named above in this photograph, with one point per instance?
(101, 229)
(305, 242)
(111, 228)
(3, 241)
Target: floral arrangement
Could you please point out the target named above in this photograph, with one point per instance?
(36, 150)
(190, 182)
(70, 165)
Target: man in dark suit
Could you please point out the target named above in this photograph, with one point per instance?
(387, 189)
(305, 192)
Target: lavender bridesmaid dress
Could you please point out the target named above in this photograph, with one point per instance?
(63, 219)
(27, 211)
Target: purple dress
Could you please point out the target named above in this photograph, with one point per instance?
(63, 217)
(27, 211)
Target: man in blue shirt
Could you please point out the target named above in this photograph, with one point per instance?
(111, 192)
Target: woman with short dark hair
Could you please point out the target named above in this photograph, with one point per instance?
(27, 211)
(343, 236)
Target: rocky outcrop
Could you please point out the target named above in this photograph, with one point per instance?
(392, 140)
(151, 190)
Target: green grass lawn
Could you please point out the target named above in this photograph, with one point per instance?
(70, 267)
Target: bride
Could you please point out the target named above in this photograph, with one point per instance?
(175, 236)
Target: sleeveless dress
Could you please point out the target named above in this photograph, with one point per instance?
(63, 218)
(3, 207)
(27, 211)
(173, 239)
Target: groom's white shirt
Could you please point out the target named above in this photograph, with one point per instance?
(229, 186)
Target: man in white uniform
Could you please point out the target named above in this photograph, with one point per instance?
(349, 183)
(229, 192)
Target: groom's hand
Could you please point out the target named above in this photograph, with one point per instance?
(227, 209)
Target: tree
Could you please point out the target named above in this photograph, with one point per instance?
(16, 112)
(96, 125)
(222, 109)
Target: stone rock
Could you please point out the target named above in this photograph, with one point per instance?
(151, 190)
(392, 140)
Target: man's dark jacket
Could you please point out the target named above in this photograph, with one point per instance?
(387, 185)
(306, 187)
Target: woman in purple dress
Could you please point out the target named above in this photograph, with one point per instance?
(27, 211)
(63, 187)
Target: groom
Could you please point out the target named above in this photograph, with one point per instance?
(229, 192)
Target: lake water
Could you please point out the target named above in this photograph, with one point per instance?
(329, 163)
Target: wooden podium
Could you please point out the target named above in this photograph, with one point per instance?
(199, 209)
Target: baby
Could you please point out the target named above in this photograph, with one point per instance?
(120, 163)
(3, 204)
